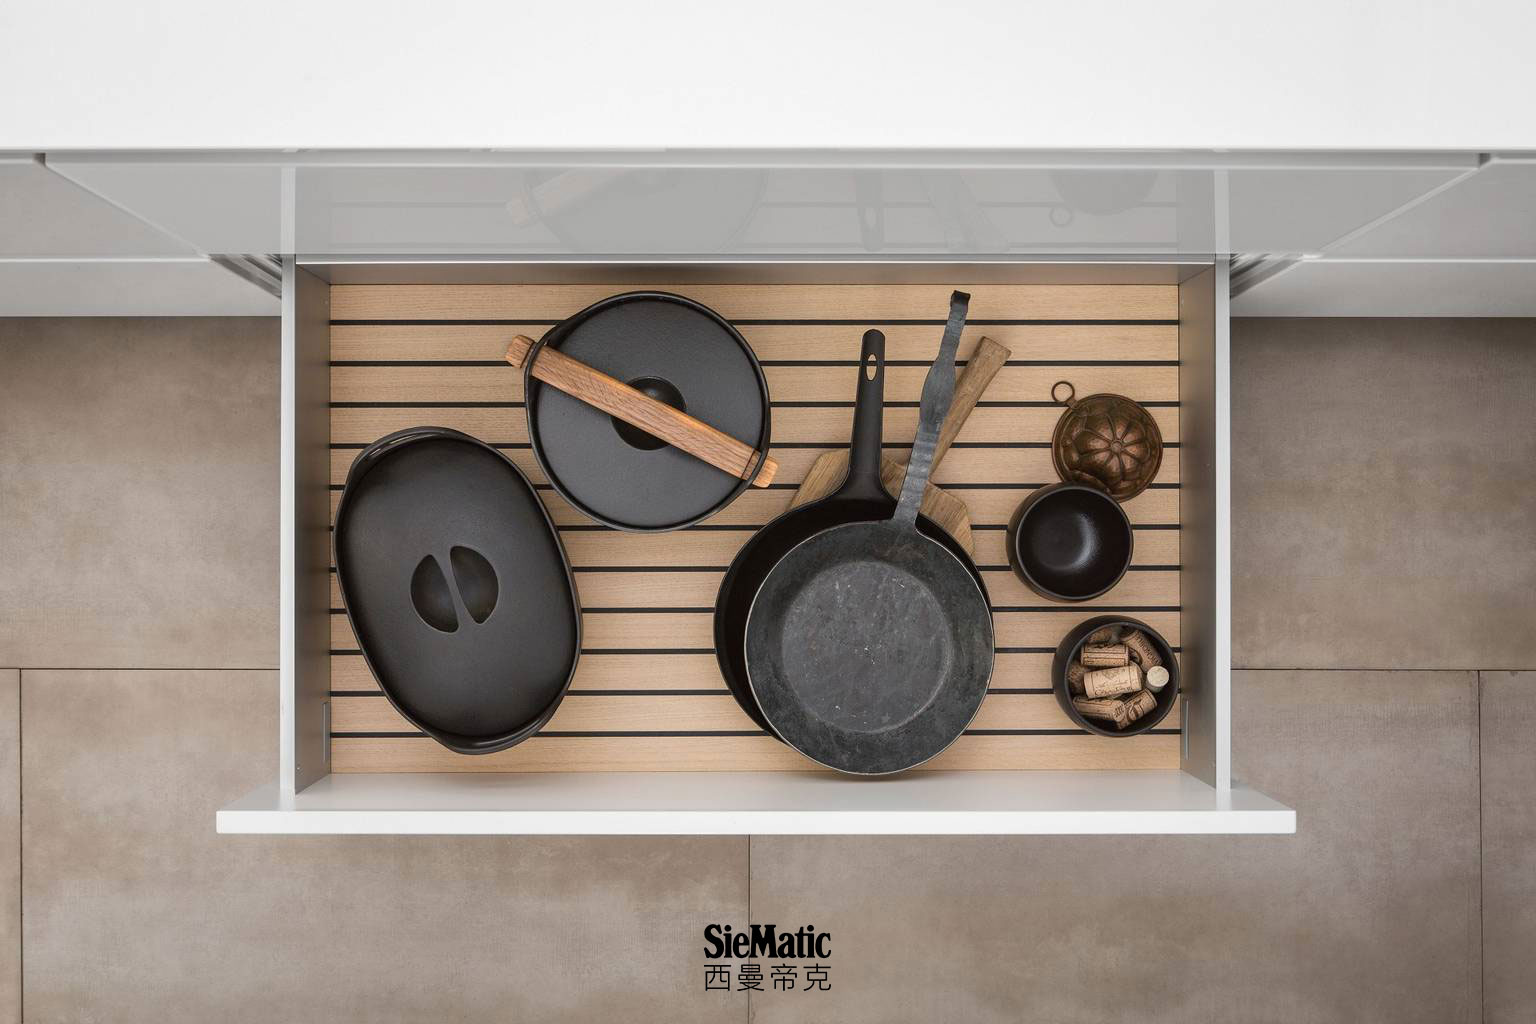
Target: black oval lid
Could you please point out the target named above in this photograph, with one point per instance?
(457, 588)
(678, 351)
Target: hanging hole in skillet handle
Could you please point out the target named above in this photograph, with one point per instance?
(862, 481)
(1071, 398)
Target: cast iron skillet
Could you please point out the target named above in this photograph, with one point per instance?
(869, 645)
(457, 588)
(860, 498)
(677, 351)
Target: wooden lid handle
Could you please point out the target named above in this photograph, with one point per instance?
(638, 409)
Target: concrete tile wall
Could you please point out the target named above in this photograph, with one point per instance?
(139, 477)
(1383, 493)
(1508, 713)
(142, 614)
(10, 845)
(137, 911)
(1346, 921)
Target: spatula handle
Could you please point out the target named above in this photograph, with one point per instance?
(938, 392)
(682, 431)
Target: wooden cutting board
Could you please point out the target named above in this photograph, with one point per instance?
(828, 471)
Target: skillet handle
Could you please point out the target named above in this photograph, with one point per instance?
(938, 393)
(863, 480)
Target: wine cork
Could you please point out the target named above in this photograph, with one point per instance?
(1157, 678)
(1105, 655)
(1142, 649)
(1107, 635)
(1108, 710)
(1075, 673)
(1111, 682)
(1137, 706)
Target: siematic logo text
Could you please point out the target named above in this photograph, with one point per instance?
(756, 944)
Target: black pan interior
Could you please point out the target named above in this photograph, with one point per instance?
(457, 588)
(870, 647)
(764, 550)
(1074, 542)
(860, 498)
(752, 563)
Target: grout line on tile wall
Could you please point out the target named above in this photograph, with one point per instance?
(21, 863)
(1482, 893)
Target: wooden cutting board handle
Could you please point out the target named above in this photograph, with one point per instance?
(948, 511)
(983, 365)
(594, 387)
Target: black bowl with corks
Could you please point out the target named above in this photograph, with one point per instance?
(1115, 676)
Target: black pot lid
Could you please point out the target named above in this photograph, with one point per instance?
(678, 351)
(457, 588)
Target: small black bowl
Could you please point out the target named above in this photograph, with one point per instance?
(1066, 653)
(1070, 542)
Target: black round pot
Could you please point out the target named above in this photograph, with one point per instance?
(1067, 651)
(1070, 542)
(679, 352)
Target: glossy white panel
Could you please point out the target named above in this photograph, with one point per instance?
(45, 215)
(1487, 215)
(756, 203)
(228, 206)
(1332, 288)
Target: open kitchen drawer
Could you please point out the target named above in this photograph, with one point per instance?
(649, 740)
